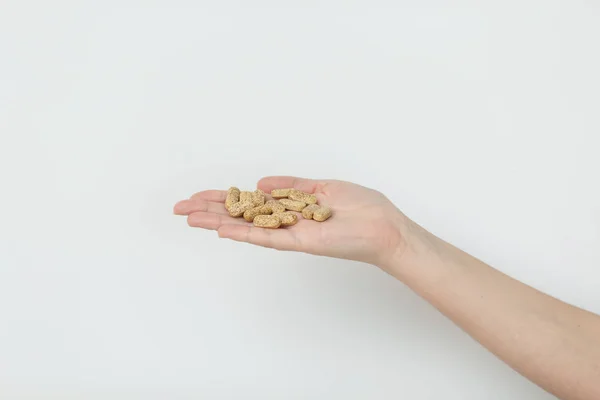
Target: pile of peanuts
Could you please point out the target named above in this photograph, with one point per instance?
(254, 207)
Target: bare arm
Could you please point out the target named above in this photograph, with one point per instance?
(555, 345)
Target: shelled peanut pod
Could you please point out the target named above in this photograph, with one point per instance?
(276, 207)
(280, 193)
(267, 221)
(258, 197)
(250, 214)
(304, 197)
(322, 214)
(245, 196)
(239, 208)
(292, 205)
(308, 211)
(287, 218)
(233, 196)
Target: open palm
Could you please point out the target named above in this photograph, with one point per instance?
(365, 225)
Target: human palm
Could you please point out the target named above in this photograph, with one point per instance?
(365, 225)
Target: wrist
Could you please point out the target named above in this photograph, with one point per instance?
(415, 248)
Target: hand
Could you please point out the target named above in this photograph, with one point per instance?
(365, 225)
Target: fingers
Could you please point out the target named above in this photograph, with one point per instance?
(207, 220)
(281, 239)
(217, 196)
(282, 182)
(186, 207)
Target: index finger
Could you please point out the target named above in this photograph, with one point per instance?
(218, 196)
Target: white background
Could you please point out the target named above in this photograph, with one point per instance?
(480, 122)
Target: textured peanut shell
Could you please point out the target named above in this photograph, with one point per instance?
(322, 214)
(302, 196)
(276, 207)
(280, 193)
(245, 196)
(287, 218)
(308, 211)
(250, 214)
(238, 209)
(292, 205)
(258, 197)
(233, 196)
(267, 221)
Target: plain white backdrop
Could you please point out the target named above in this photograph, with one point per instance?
(480, 121)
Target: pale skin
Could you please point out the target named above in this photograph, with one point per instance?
(551, 343)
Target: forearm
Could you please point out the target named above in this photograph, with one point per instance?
(554, 344)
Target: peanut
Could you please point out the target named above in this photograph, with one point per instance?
(302, 196)
(308, 211)
(245, 196)
(280, 193)
(233, 196)
(276, 207)
(292, 205)
(250, 214)
(287, 218)
(322, 214)
(254, 207)
(267, 221)
(238, 209)
(258, 197)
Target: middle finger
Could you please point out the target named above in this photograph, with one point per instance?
(186, 207)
